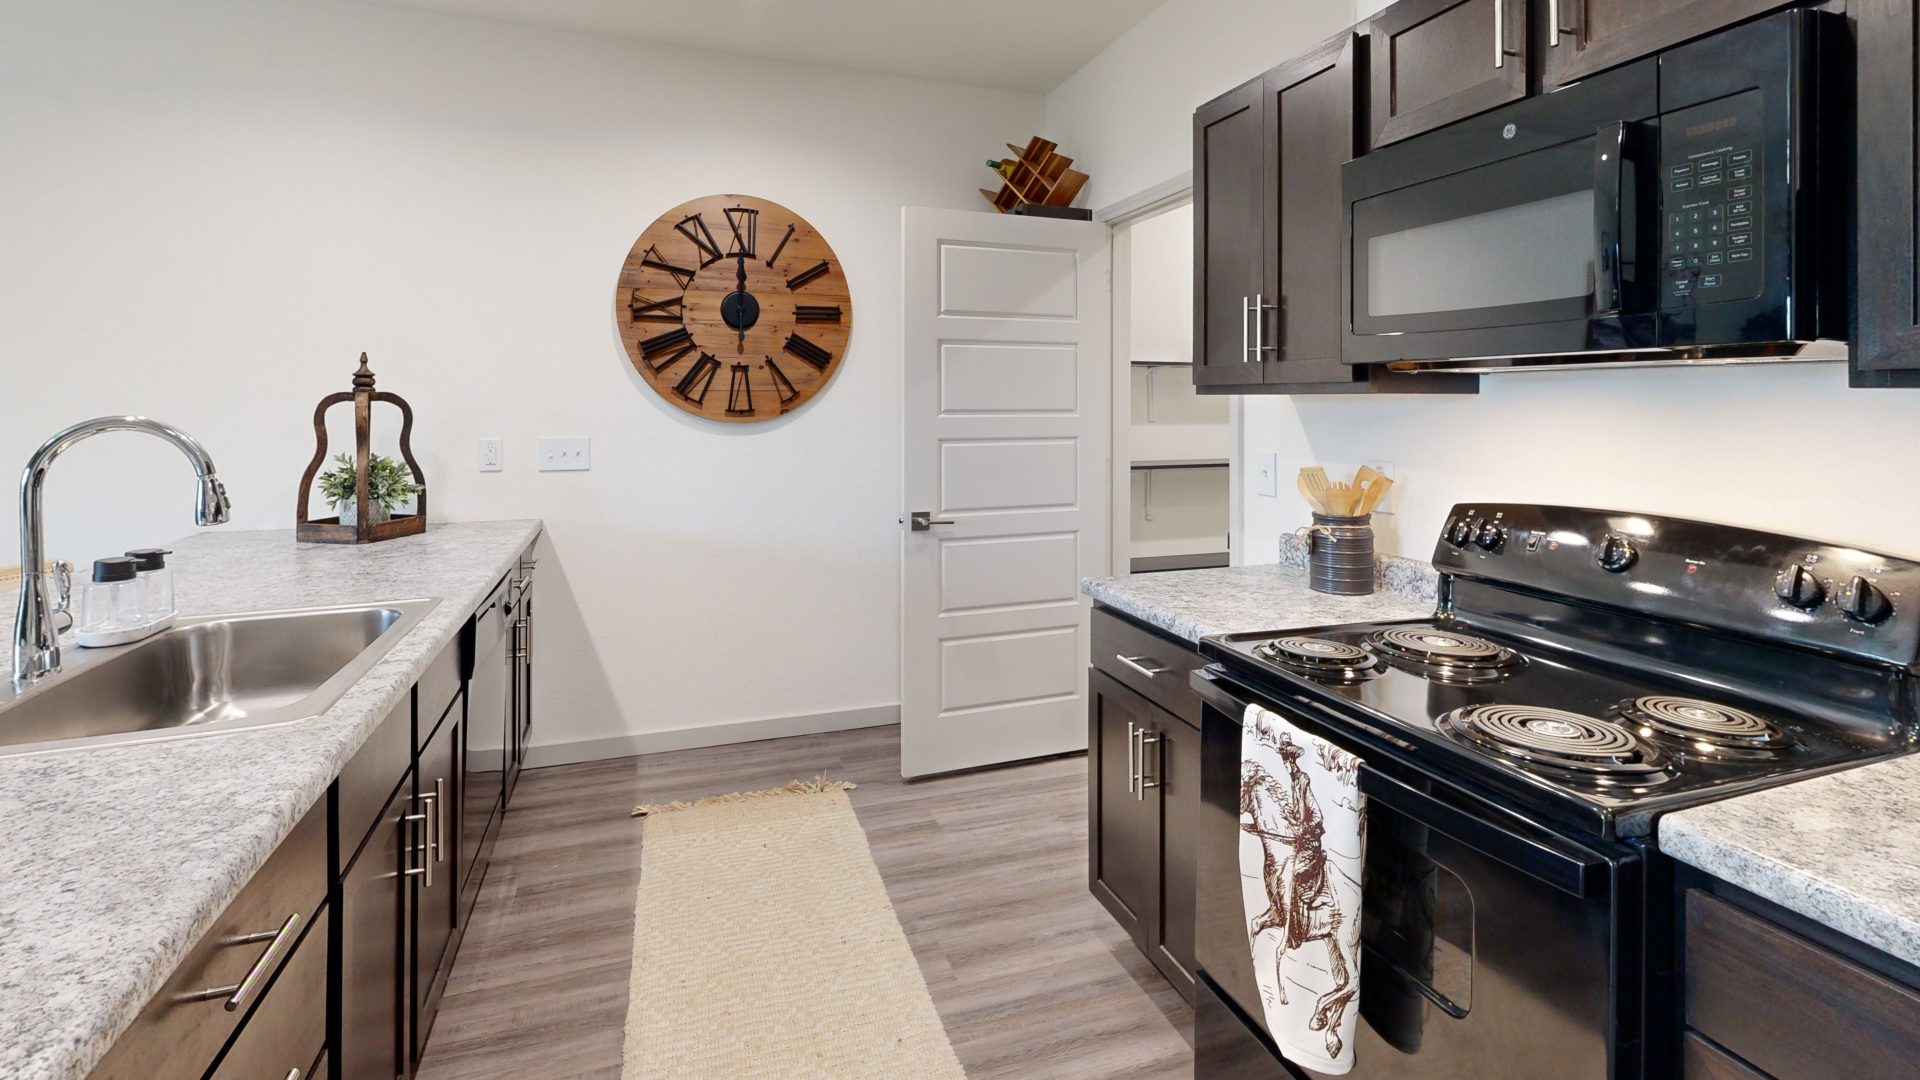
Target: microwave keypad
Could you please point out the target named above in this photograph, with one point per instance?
(1712, 229)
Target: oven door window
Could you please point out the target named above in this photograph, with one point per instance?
(1505, 244)
(1416, 916)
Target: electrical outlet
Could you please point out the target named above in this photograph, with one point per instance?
(1268, 466)
(493, 455)
(564, 453)
(1384, 468)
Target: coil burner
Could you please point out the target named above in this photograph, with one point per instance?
(1696, 728)
(1558, 739)
(1322, 659)
(1444, 654)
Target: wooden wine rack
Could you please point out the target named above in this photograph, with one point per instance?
(1040, 176)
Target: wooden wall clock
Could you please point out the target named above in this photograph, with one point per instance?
(733, 308)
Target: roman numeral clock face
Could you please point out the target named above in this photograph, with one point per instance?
(733, 308)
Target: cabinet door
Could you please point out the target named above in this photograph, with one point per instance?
(1174, 765)
(1122, 817)
(1587, 36)
(1437, 61)
(1310, 102)
(436, 849)
(1229, 236)
(1886, 334)
(374, 929)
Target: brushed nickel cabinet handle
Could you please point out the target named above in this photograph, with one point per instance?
(1246, 350)
(1134, 663)
(1132, 776)
(1500, 50)
(279, 942)
(296, 1073)
(410, 821)
(1147, 737)
(1553, 24)
(440, 818)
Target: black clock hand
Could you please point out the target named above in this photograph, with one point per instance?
(742, 279)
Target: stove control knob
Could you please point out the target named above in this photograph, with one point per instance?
(1460, 532)
(1616, 553)
(1865, 602)
(1797, 586)
(1492, 536)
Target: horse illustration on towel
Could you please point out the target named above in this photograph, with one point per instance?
(1303, 904)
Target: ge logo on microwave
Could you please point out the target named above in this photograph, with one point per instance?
(1509, 131)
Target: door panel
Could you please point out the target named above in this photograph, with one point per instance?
(488, 707)
(434, 901)
(375, 945)
(1886, 335)
(1437, 61)
(1176, 768)
(1123, 821)
(1313, 101)
(1006, 450)
(1229, 227)
(1590, 36)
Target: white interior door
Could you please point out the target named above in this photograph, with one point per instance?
(1006, 333)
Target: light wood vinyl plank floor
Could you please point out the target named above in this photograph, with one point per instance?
(987, 870)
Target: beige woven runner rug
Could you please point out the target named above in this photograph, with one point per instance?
(764, 946)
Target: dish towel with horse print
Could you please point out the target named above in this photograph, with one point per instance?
(1303, 843)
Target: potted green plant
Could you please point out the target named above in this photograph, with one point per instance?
(389, 484)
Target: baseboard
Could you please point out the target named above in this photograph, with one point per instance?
(688, 738)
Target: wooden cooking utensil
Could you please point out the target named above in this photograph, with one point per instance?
(1376, 491)
(1309, 493)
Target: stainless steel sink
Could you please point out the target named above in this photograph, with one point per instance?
(211, 674)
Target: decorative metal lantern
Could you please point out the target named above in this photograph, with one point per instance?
(362, 528)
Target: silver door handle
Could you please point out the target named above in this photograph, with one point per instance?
(280, 942)
(1500, 50)
(1246, 351)
(1553, 24)
(1134, 663)
(440, 818)
(425, 822)
(1146, 782)
(1133, 776)
(922, 520)
(1260, 309)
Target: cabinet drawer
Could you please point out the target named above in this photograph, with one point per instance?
(1701, 1060)
(1791, 1007)
(181, 1029)
(371, 776)
(437, 688)
(287, 1030)
(1147, 663)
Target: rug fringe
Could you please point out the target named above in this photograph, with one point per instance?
(816, 786)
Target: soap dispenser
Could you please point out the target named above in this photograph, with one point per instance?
(156, 583)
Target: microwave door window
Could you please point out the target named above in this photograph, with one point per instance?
(1523, 254)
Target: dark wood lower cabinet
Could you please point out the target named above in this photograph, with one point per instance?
(1764, 1001)
(437, 891)
(372, 1040)
(1143, 794)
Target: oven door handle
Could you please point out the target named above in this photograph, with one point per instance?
(1616, 213)
(1567, 869)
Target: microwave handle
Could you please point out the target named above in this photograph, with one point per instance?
(1611, 220)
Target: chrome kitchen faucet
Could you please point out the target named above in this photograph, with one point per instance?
(36, 643)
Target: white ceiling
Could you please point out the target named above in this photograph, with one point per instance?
(1030, 45)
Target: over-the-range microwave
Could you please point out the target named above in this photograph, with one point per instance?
(1693, 205)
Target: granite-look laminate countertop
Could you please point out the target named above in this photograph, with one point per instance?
(1841, 849)
(114, 861)
(1192, 604)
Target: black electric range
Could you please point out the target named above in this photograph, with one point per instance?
(1584, 672)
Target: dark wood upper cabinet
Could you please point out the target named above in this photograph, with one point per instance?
(1885, 335)
(1311, 105)
(1437, 61)
(1587, 36)
(1229, 230)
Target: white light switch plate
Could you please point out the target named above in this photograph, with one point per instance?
(493, 455)
(564, 453)
(1268, 466)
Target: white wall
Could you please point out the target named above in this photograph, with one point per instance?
(211, 208)
(1788, 448)
(1127, 117)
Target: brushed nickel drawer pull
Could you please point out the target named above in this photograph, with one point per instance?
(440, 817)
(1146, 781)
(244, 991)
(295, 1073)
(1134, 663)
(410, 848)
